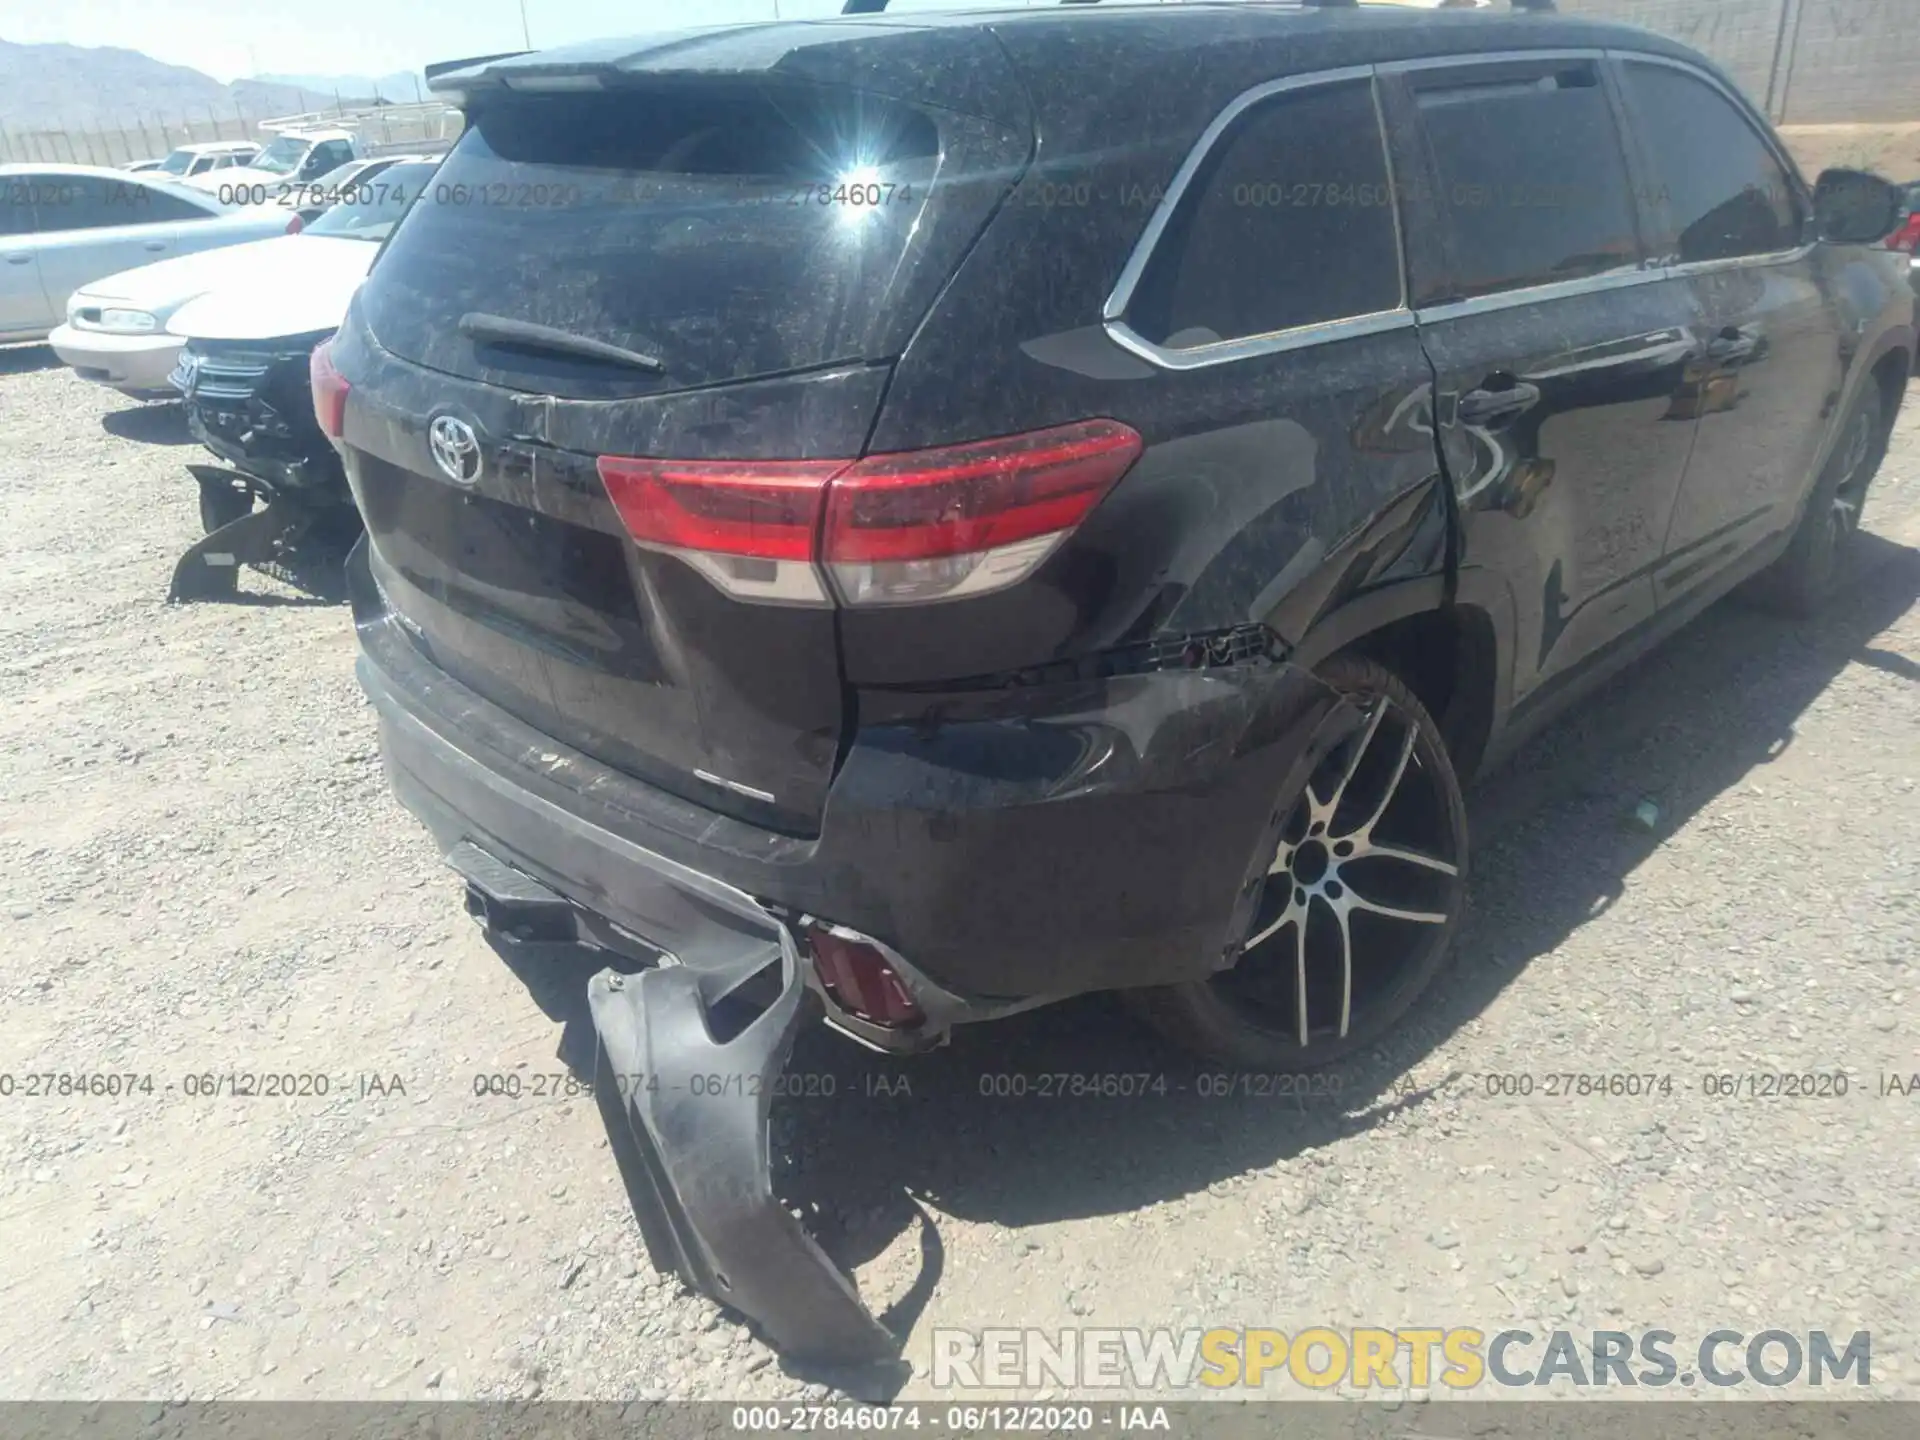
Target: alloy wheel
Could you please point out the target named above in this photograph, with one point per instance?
(1856, 472)
(1366, 874)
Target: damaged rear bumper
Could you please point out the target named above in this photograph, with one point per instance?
(696, 1112)
(1026, 844)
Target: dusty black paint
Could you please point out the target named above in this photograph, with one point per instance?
(1580, 473)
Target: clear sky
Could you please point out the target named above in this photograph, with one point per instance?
(233, 38)
(229, 39)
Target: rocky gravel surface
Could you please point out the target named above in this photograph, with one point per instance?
(202, 874)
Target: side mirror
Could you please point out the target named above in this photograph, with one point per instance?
(1853, 207)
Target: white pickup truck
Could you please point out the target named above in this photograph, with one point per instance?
(291, 158)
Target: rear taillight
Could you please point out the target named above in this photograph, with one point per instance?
(747, 525)
(914, 525)
(296, 224)
(966, 519)
(329, 392)
(1907, 237)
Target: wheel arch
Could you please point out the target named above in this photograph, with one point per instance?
(1446, 650)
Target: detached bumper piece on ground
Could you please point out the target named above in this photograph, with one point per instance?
(704, 1198)
(251, 407)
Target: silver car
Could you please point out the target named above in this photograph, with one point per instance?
(64, 225)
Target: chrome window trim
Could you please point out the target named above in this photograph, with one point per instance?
(1539, 294)
(1469, 60)
(1740, 262)
(1274, 342)
(1351, 327)
(1295, 337)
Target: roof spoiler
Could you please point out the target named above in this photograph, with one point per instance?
(443, 67)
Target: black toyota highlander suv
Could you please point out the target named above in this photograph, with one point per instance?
(924, 515)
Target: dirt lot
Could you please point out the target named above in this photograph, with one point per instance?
(201, 872)
(1889, 150)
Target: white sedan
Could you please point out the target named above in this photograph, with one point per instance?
(63, 226)
(121, 330)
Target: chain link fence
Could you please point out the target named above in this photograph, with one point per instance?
(1807, 62)
(431, 126)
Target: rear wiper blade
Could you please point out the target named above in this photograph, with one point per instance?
(524, 333)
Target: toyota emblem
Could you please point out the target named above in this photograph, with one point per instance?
(456, 449)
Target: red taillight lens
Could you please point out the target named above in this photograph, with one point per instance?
(922, 504)
(932, 524)
(296, 224)
(747, 525)
(329, 392)
(1907, 237)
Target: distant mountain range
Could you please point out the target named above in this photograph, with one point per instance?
(52, 87)
(402, 87)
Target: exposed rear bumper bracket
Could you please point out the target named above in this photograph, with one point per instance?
(509, 901)
(696, 1111)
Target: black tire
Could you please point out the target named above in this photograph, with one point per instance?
(222, 505)
(1249, 1016)
(1804, 579)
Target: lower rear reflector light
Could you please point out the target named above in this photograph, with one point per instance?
(914, 525)
(859, 980)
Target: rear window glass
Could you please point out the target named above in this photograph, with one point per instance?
(731, 232)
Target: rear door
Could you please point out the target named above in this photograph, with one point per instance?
(1557, 352)
(23, 302)
(1732, 219)
(771, 246)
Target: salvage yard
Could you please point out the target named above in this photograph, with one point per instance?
(1710, 871)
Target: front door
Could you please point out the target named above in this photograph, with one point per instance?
(1735, 223)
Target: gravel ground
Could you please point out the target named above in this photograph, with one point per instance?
(201, 872)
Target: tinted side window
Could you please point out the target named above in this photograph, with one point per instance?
(326, 156)
(83, 202)
(149, 207)
(1725, 193)
(1531, 180)
(16, 212)
(90, 202)
(1288, 222)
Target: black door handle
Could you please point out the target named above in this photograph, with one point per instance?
(1478, 407)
